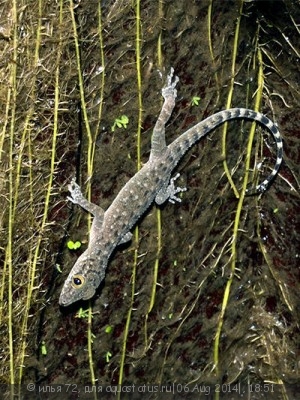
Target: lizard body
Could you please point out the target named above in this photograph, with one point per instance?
(151, 183)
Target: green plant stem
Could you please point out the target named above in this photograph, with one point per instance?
(158, 212)
(229, 98)
(138, 149)
(211, 52)
(32, 255)
(241, 198)
(13, 103)
(90, 157)
(235, 233)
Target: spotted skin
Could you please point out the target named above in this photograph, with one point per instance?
(152, 183)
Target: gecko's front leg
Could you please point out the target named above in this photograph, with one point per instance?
(78, 198)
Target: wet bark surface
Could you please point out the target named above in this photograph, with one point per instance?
(174, 342)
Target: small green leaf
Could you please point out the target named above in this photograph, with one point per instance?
(107, 356)
(57, 266)
(73, 246)
(82, 313)
(108, 329)
(120, 122)
(92, 337)
(124, 119)
(195, 101)
(43, 348)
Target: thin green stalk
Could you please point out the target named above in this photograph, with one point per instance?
(138, 148)
(158, 212)
(90, 158)
(32, 266)
(128, 318)
(139, 83)
(90, 338)
(103, 73)
(159, 41)
(82, 99)
(260, 85)
(90, 313)
(9, 107)
(229, 98)
(211, 52)
(11, 196)
(155, 274)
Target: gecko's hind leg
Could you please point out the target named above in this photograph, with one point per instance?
(169, 192)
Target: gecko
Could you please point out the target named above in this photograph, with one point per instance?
(152, 183)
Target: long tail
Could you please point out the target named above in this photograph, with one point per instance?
(180, 146)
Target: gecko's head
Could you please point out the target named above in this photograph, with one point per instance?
(82, 281)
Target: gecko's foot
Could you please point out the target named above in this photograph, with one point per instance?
(169, 192)
(75, 191)
(170, 89)
(173, 190)
(78, 198)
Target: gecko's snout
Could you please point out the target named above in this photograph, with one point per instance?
(75, 290)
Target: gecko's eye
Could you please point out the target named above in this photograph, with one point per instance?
(77, 281)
